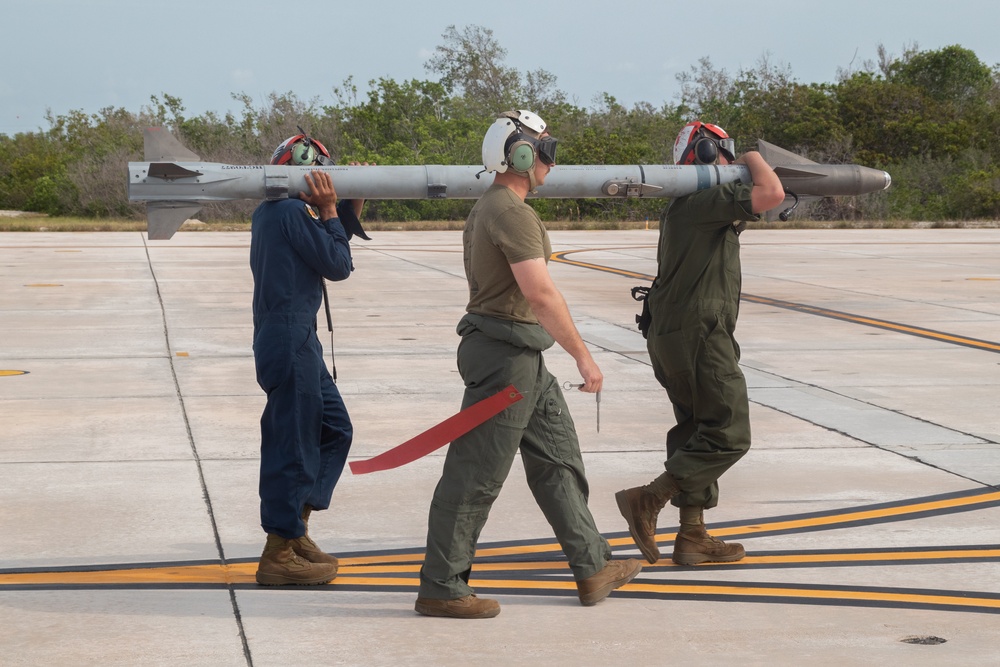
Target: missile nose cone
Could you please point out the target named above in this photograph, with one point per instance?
(888, 180)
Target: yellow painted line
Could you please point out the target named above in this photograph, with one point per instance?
(813, 594)
(12, 373)
(529, 584)
(378, 581)
(561, 258)
(846, 517)
(388, 558)
(350, 569)
(478, 567)
(181, 354)
(881, 324)
(848, 558)
(831, 558)
(189, 574)
(701, 590)
(777, 526)
(833, 314)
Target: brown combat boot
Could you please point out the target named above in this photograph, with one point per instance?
(305, 546)
(694, 545)
(469, 606)
(641, 506)
(615, 574)
(279, 566)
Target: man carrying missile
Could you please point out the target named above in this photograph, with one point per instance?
(514, 313)
(305, 430)
(692, 307)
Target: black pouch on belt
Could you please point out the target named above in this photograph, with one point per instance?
(642, 319)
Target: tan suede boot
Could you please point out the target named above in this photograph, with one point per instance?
(615, 574)
(469, 606)
(305, 547)
(641, 506)
(279, 566)
(694, 545)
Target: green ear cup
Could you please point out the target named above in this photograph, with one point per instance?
(303, 154)
(522, 156)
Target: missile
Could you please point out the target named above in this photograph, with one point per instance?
(175, 183)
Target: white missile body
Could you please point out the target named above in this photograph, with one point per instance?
(175, 184)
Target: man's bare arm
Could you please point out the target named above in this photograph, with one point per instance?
(549, 306)
(767, 189)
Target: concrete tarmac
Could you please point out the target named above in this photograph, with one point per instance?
(869, 504)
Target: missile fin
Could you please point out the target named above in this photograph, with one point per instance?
(777, 156)
(785, 170)
(165, 218)
(161, 146)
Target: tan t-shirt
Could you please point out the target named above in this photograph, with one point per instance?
(501, 230)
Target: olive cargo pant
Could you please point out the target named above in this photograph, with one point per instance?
(698, 365)
(493, 354)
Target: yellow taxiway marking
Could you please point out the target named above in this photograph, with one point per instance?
(862, 515)
(972, 601)
(802, 308)
(512, 571)
(243, 574)
(361, 571)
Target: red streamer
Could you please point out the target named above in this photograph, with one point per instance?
(440, 435)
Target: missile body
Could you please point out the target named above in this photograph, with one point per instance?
(175, 185)
(205, 182)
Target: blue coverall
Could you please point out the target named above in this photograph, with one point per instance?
(305, 431)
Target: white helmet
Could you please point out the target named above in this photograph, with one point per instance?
(499, 152)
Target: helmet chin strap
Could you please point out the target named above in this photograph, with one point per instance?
(533, 184)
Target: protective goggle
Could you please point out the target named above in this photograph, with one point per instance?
(546, 147)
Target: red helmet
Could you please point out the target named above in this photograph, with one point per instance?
(701, 143)
(301, 150)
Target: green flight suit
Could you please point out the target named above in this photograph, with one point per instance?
(502, 344)
(694, 303)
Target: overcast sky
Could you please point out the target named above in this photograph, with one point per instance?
(64, 55)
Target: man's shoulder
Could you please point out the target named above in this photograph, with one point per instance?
(292, 204)
(500, 197)
(286, 208)
(497, 205)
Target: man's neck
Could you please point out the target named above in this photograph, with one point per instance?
(514, 182)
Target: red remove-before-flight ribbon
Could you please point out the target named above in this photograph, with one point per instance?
(440, 435)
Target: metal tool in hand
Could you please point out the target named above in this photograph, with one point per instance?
(570, 385)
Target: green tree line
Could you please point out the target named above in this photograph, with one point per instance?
(930, 118)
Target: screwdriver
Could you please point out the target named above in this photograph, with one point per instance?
(570, 385)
